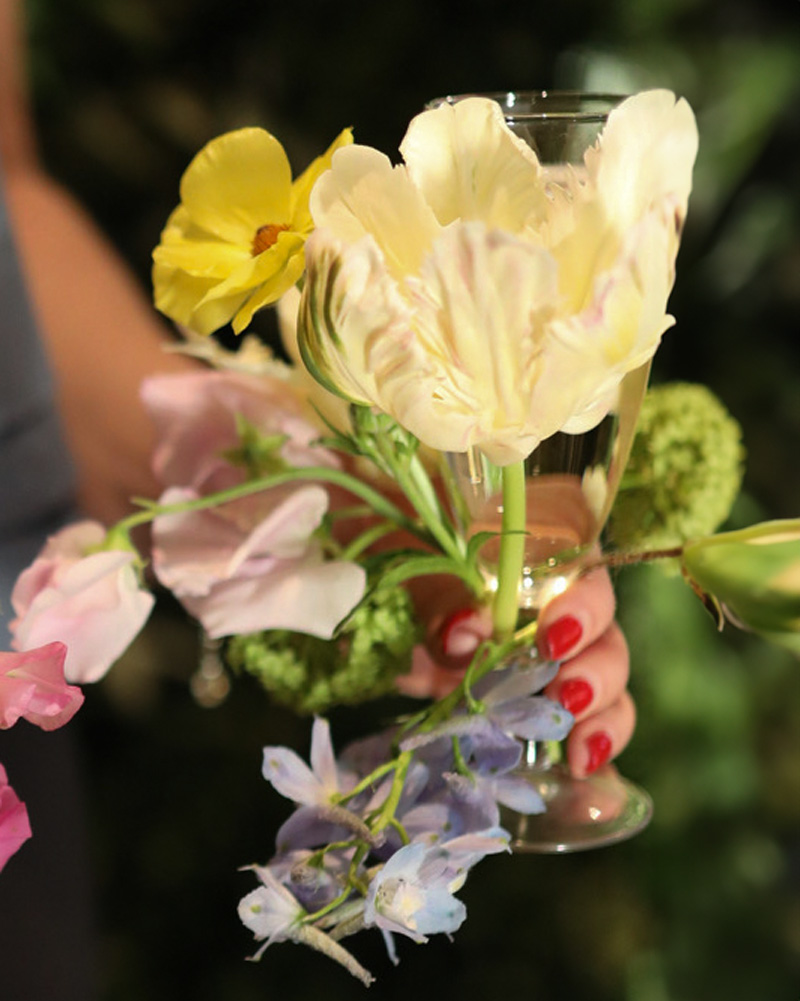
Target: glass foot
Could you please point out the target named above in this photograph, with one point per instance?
(581, 813)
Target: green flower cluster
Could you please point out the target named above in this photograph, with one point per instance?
(684, 473)
(311, 675)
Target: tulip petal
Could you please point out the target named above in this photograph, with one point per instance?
(363, 193)
(522, 316)
(349, 302)
(469, 165)
(645, 157)
(303, 185)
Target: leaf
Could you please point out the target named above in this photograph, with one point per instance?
(422, 566)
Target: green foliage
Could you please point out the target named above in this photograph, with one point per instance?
(684, 473)
(311, 675)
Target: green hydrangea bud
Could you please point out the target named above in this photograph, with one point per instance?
(311, 675)
(684, 472)
(754, 574)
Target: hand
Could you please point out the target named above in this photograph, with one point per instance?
(576, 628)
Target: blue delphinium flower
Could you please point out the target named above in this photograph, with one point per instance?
(413, 893)
(385, 836)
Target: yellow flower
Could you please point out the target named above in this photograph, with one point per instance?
(235, 243)
(484, 299)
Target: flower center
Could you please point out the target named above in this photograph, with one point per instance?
(266, 237)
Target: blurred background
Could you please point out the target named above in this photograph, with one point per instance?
(705, 905)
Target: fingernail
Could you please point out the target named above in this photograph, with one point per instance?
(460, 633)
(599, 748)
(575, 695)
(561, 636)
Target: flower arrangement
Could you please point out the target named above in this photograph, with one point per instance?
(467, 298)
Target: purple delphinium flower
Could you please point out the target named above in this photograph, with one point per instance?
(314, 881)
(292, 777)
(319, 819)
(511, 703)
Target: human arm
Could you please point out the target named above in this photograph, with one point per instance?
(101, 334)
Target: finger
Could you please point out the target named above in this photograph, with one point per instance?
(428, 679)
(600, 737)
(576, 618)
(595, 678)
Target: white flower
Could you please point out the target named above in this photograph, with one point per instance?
(270, 912)
(483, 299)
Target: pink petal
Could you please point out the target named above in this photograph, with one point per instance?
(15, 828)
(93, 604)
(304, 598)
(195, 417)
(32, 685)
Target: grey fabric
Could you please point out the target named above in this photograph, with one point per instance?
(36, 477)
(46, 926)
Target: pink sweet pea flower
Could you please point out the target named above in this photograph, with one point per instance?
(15, 828)
(32, 685)
(254, 564)
(89, 600)
(196, 421)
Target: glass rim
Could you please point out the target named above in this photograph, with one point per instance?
(521, 104)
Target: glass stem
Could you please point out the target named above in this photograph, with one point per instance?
(512, 551)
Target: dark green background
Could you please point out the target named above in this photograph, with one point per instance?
(705, 906)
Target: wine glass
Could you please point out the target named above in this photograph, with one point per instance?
(570, 481)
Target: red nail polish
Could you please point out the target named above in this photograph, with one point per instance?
(459, 635)
(599, 748)
(575, 695)
(561, 636)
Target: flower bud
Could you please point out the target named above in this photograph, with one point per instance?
(754, 574)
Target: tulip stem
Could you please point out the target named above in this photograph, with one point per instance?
(512, 551)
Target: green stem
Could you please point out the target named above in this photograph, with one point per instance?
(369, 780)
(365, 540)
(512, 551)
(487, 657)
(377, 501)
(417, 487)
(386, 815)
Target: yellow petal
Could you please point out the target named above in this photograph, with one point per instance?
(202, 258)
(279, 282)
(237, 183)
(212, 313)
(257, 270)
(177, 294)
